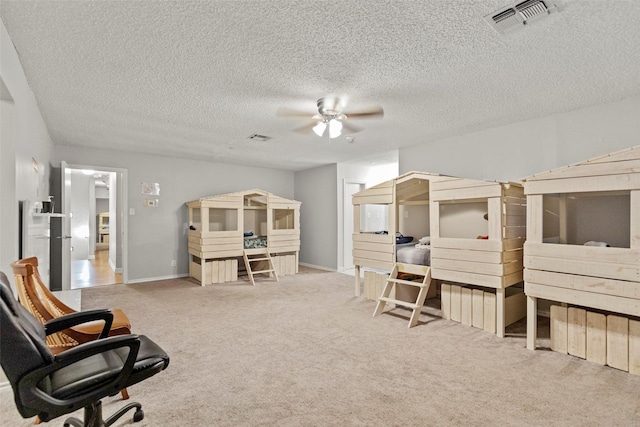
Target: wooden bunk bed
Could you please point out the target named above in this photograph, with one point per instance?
(400, 205)
(225, 227)
(477, 234)
(583, 250)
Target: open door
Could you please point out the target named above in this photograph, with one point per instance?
(60, 267)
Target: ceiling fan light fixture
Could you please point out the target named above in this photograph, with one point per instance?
(335, 128)
(319, 128)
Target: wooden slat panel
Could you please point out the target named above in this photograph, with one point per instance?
(445, 300)
(373, 238)
(216, 240)
(465, 277)
(489, 312)
(635, 220)
(481, 192)
(634, 347)
(558, 329)
(514, 232)
(513, 189)
(223, 234)
(512, 209)
(476, 267)
(217, 248)
(278, 235)
(420, 270)
(515, 220)
(576, 282)
(377, 256)
(577, 332)
(489, 257)
(366, 262)
(618, 342)
(281, 249)
(477, 319)
(593, 169)
(434, 220)
(494, 210)
(221, 204)
(466, 306)
(583, 184)
(471, 244)
(534, 218)
(624, 256)
(596, 337)
(374, 247)
(457, 183)
(515, 308)
(626, 154)
(373, 200)
(585, 268)
(586, 299)
(456, 301)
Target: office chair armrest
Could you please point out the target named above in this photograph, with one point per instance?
(49, 404)
(69, 320)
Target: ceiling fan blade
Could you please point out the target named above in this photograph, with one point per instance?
(374, 112)
(349, 128)
(306, 129)
(287, 112)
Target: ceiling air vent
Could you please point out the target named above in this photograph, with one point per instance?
(519, 14)
(259, 137)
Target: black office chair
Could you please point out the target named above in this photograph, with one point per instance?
(50, 385)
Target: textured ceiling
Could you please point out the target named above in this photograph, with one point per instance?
(195, 79)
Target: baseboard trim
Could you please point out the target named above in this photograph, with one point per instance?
(153, 279)
(333, 270)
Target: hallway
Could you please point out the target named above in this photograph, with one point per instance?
(93, 272)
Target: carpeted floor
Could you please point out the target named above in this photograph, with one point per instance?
(305, 352)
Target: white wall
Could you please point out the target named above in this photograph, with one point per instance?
(30, 142)
(159, 235)
(317, 190)
(519, 150)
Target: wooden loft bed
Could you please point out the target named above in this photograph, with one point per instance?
(228, 226)
(595, 202)
(374, 241)
(477, 234)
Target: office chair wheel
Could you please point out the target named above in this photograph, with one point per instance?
(138, 415)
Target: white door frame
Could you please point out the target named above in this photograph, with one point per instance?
(347, 222)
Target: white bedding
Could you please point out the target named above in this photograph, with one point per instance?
(409, 254)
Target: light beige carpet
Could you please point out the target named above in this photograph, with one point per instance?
(305, 352)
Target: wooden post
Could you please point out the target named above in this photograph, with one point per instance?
(596, 337)
(532, 322)
(558, 329)
(577, 332)
(500, 315)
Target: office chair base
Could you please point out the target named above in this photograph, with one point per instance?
(93, 416)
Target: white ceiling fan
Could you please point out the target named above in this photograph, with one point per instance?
(330, 117)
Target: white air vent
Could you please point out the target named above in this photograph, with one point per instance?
(259, 137)
(519, 14)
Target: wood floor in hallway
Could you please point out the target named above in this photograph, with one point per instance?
(93, 272)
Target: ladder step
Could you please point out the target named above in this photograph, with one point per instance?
(399, 302)
(263, 271)
(407, 282)
(257, 259)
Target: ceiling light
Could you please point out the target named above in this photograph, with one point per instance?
(335, 128)
(319, 128)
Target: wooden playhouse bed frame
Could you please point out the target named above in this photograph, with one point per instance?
(493, 261)
(217, 227)
(378, 251)
(565, 271)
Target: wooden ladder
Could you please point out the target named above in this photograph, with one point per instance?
(393, 280)
(258, 257)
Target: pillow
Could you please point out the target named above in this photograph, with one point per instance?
(426, 240)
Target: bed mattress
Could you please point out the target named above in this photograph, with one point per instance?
(409, 254)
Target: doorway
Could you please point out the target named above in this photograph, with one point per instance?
(350, 188)
(94, 233)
